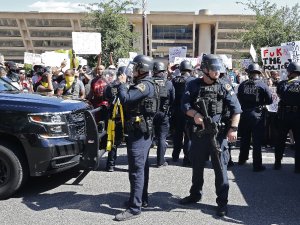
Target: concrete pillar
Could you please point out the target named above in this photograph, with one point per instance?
(204, 38)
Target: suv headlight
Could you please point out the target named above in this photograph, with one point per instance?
(54, 123)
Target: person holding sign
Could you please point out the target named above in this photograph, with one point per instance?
(289, 114)
(253, 94)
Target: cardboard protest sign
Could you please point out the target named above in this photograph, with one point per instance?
(177, 52)
(274, 106)
(86, 43)
(55, 59)
(32, 58)
(294, 48)
(227, 60)
(245, 63)
(193, 61)
(275, 58)
(132, 55)
(123, 61)
(253, 53)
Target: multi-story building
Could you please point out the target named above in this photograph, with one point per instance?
(200, 32)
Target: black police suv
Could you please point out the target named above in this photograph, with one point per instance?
(42, 135)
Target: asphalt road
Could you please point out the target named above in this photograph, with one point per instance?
(265, 198)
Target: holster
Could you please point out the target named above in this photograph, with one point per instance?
(138, 123)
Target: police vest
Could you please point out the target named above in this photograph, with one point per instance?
(249, 95)
(290, 93)
(162, 93)
(213, 98)
(149, 105)
(179, 83)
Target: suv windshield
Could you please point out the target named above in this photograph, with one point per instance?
(6, 86)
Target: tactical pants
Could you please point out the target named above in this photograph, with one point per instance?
(289, 121)
(138, 146)
(180, 133)
(201, 148)
(251, 125)
(161, 130)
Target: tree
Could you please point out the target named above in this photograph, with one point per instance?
(272, 25)
(107, 17)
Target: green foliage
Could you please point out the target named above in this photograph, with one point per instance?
(107, 18)
(27, 67)
(273, 25)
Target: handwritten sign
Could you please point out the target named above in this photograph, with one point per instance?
(123, 61)
(274, 106)
(177, 52)
(193, 61)
(275, 58)
(294, 48)
(86, 43)
(32, 58)
(55, 59)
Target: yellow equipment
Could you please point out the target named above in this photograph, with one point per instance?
(111, 126)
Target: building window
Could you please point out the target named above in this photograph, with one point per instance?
(230, 45)
(10, 33)
(12, 53)
(55, 44)
(11, 43)
(227, 35)
(231, 25)
(54, 33)
(188, 45)
(48, 23)
(172, 32)
(8, 22)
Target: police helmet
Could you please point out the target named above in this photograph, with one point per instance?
(121, 70)
(253, 68)
(11, 66)
(211, 62)
(158, 67)
(294, 67)
(142, 63)
(185, 66)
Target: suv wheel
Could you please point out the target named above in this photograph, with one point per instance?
(13, 171)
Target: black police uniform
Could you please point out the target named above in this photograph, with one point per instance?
(179, 123)
(161, 119)
(253, 94)
(140, 102)
(288, 118)
(215, 95)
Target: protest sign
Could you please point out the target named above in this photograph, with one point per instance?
(294, 48)
(227, 60)
(55, 59)
(32, 58)
(245, 63)
(253, 53)
(177, 52)
(86, 43)
(275, 58)
(123, 61)
(132, 55)
(193, 61)
(274, 106)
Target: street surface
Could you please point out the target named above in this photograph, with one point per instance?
(265, 198)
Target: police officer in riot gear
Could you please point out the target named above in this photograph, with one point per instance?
(213, 93)
(141, 104)
(253, 94)
(180, 134)
(289, 114)
(161, 119)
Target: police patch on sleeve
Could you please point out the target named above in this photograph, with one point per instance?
(141, 87)
(228, 87)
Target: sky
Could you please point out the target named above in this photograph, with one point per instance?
(215, 6)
